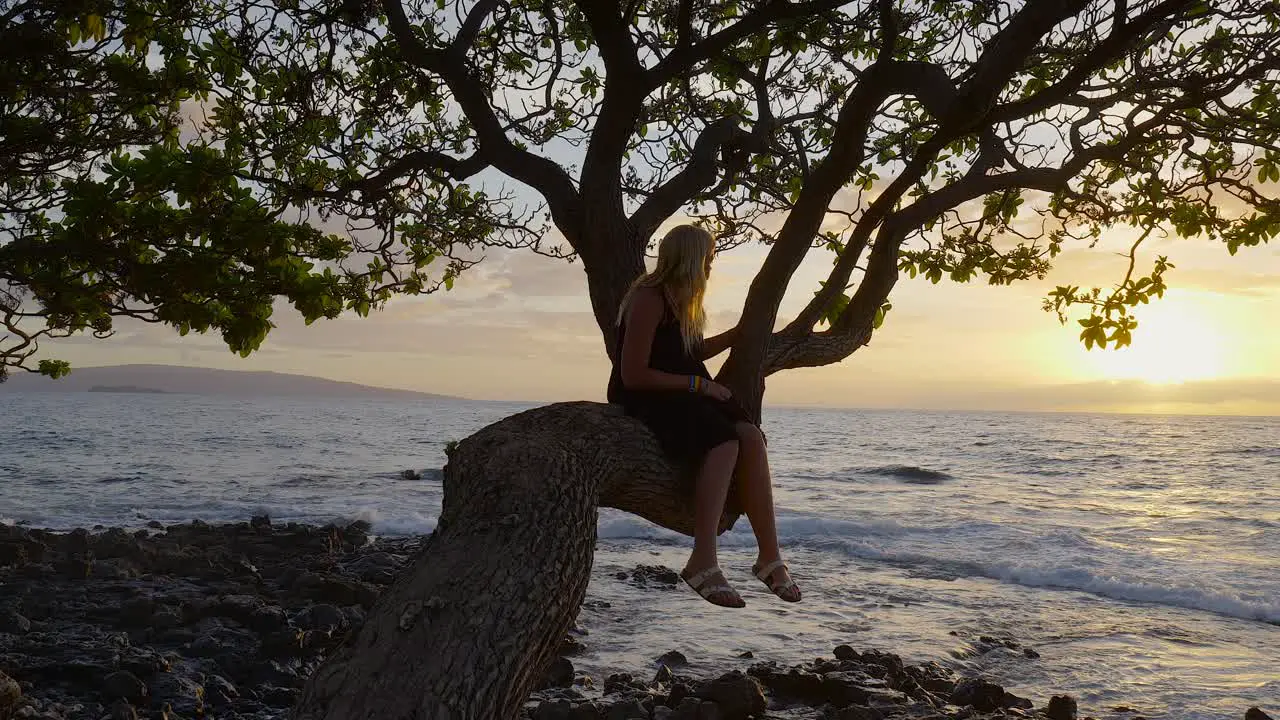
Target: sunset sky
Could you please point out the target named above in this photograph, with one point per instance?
(519, 328)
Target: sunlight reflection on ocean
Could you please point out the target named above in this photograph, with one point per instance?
(1136, 554)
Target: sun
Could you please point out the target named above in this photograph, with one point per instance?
(1178, 339)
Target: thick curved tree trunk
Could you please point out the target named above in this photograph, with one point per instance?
(467, 631)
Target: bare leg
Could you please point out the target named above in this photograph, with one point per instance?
(712, 490)
(756, 490)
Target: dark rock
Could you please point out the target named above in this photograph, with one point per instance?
(664, 675)
(10, 695)
(166, 617)
(844, 652)
(219, 689)
(552, 710)
(155, 524)
(627, 710)
(378, 567)
(1061, 707)
(739, 696)
(333, 589)
(12, 622)
(324, 617)
(124, 684)
(983, 696)
(268, 619)
(673, 658)
(570, 645)
(143, 662)
(796, 683)
(122, 710)
(748, 655)
(411, 475)
(273, 672)
(621, 682)
(278, 697)
(851, 688)
(260, 522)
(559, 674)
(654, 576)
(281, 645)
(1013, 701)
(861, 712)
(1028, 652)
(354, 616)
(1254, 713)
(138, 611)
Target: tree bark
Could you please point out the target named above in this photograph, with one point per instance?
(468, 630)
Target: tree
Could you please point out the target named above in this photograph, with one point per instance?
(950, 139)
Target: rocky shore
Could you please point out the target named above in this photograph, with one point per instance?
(227, 621)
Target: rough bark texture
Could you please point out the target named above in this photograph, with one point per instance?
(468, 630)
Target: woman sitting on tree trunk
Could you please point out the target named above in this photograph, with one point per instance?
(661, 379)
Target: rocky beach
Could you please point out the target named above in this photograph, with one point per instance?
(209, 621)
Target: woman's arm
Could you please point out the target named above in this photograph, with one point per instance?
(643, 316)
(717, 344)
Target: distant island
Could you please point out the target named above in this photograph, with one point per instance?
(127, 389)
(157, 379)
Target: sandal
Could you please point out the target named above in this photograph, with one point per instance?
(787, 589)
(706, 585)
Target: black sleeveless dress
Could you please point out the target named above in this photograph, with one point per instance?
(687, 424)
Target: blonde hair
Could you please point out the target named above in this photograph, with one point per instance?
(681, 275)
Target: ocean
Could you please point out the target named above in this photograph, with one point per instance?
(1137, 556)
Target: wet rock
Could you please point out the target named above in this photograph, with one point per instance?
(620, 683)
(570, 645)
(663, 676)
(124, 684)
(739, 696)
(673, 658)
(1061, 707)
(795, 683)
(983, 696)
(748, 655)
(654, 576)
(1028, 652)
(1254, 713)
(845, 652)
(10, 695)
(260, 522)
(410, 475)
(559, 674)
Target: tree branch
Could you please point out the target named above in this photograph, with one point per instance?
(683, 58)
(539, 173)
(699, 174)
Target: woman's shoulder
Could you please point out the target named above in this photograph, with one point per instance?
(646, 305)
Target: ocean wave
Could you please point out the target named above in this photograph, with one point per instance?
(911, 474)
(1077, 579)
(1184, 596)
